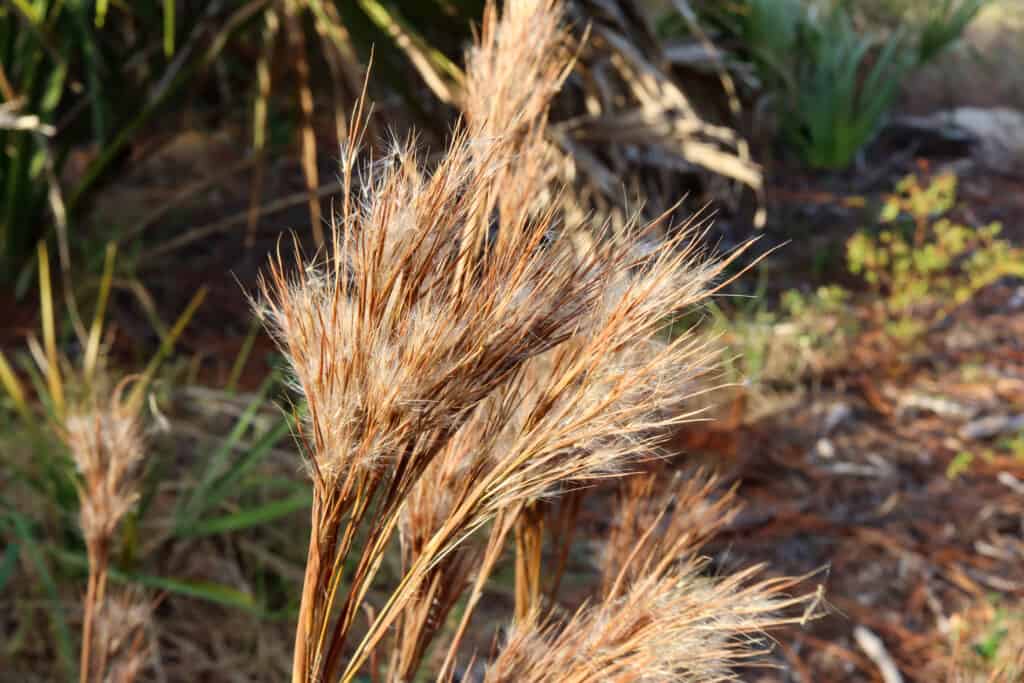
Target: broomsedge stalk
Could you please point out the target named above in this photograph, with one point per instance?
(106, 445)
(461, 358)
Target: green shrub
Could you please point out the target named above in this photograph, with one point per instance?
(843, 91)
(831, 82)
(923, 265)
(919, 265)
(944, 22)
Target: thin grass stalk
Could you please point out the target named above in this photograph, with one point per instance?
(297, 45)
(439, 74)
(14, 389)
(424, 510)
(563, 527)
(503, 525)
(310, 582)
(264, 84)
(97, 571)
(92, 347)
(529, 536)
(55, 198)
(98, 554)
(52, 367)
(138, 391)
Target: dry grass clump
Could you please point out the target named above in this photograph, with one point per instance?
(659, 617)
(643, 115)
(673, 625)
(106, 445)
(461, 358)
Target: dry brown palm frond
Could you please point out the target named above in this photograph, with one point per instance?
(631, 119)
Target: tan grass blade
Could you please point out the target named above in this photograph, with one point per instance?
(92, 347)
(259, 122)
(442, 76)
(55, 197)
(14, 389)
(307, 138)
(138, 391)
(529, 532)
(46, 312)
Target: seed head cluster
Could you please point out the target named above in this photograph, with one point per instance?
(462, 351)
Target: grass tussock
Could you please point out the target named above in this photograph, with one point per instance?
(461, 358)
(660, 616)
(674, 625)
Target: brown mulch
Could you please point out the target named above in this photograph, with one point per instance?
(852, 481)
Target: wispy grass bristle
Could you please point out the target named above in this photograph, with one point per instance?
(106, 445)
(676, 625)
(660, 615)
